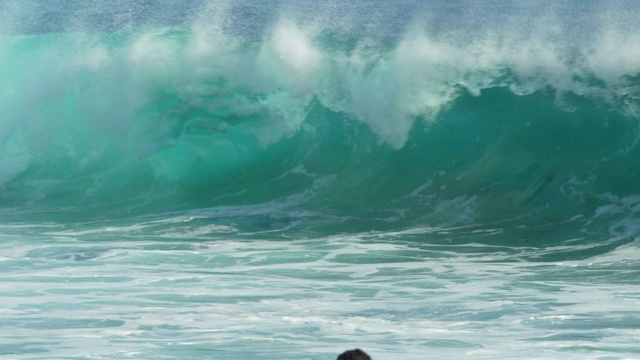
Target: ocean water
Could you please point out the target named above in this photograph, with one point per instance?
(291, 179)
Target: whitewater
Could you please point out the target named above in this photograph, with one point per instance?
(290, 179)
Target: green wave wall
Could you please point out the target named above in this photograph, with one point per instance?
(381, 133)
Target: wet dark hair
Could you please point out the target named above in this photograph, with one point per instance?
(355, 354)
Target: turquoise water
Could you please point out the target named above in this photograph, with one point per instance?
(234, 180)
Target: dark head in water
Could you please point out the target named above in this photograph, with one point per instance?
(355, 354)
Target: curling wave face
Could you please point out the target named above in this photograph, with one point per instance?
(416, 122)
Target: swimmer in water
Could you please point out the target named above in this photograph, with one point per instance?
(355, 354)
